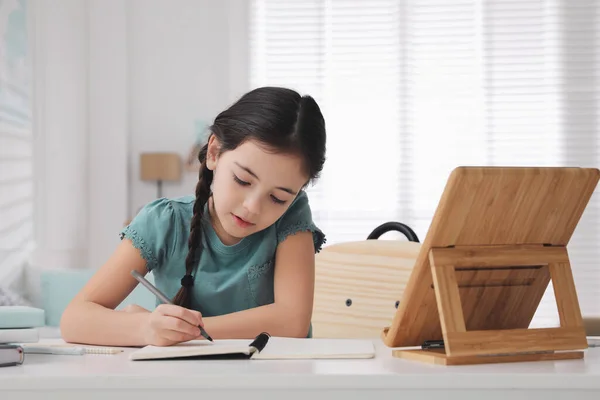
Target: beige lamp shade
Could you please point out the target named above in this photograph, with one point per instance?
(160, 167)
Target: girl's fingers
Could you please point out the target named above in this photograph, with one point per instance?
(179, 325)
(190, 316)
(176, 336)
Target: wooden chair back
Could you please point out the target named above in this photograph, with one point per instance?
(359, 285)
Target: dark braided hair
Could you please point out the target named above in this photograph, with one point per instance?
(205, 177)
(278, 118)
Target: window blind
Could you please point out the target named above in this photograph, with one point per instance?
(411, 89)
(16, 142)
(347, 55)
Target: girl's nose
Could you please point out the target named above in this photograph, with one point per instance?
(252, 204)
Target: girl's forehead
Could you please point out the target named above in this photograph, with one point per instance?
(269, 165)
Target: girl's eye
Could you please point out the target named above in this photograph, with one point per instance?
(276, 200)
(239, 181)
(244, 183)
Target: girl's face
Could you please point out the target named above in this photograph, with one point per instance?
(252, 187)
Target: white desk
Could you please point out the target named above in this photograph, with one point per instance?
(115, 377)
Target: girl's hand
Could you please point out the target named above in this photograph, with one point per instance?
(170, 324)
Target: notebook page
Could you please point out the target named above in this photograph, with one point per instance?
(294, 348)
(192, 348)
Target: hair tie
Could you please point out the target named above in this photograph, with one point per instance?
(187, 281)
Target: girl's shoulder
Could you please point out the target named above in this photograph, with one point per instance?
(165, 211)
(158, 227)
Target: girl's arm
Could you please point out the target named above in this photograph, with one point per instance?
(90, 317)
(291, 312)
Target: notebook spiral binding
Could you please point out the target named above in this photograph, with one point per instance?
(101, 350)
(59, 349)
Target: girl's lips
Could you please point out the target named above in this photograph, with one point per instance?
(241, 222)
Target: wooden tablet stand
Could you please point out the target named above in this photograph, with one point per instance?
(498, 237)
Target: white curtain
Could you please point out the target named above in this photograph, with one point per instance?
(410, 89)
(16, 142)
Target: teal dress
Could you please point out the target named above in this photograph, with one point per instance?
(228, 278)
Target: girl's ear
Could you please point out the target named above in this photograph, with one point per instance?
(212, 154)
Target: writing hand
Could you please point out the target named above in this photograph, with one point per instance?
(170, 324)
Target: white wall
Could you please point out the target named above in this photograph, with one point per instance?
(108, 100)
(61, 132)
(60, 126)
(181, 69)
(114, 79)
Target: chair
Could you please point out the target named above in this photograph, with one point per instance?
(59, 286)
(591, 325)
(358, 285)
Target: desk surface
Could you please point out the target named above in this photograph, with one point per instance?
(52, 371)
(48, 373)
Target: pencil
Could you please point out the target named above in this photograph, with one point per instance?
(162, 297)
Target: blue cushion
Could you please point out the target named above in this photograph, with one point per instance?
(60, 286)
(14, 317)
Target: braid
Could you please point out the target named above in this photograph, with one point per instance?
(205, 177)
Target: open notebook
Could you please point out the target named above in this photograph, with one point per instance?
(263, 347)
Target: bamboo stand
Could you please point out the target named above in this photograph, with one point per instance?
(526, 269)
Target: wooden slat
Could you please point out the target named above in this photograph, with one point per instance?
(448, 299)
(514, 341)
(439, 358)
(565, 294)
(497, 256)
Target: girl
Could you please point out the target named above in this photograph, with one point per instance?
(238, 258)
